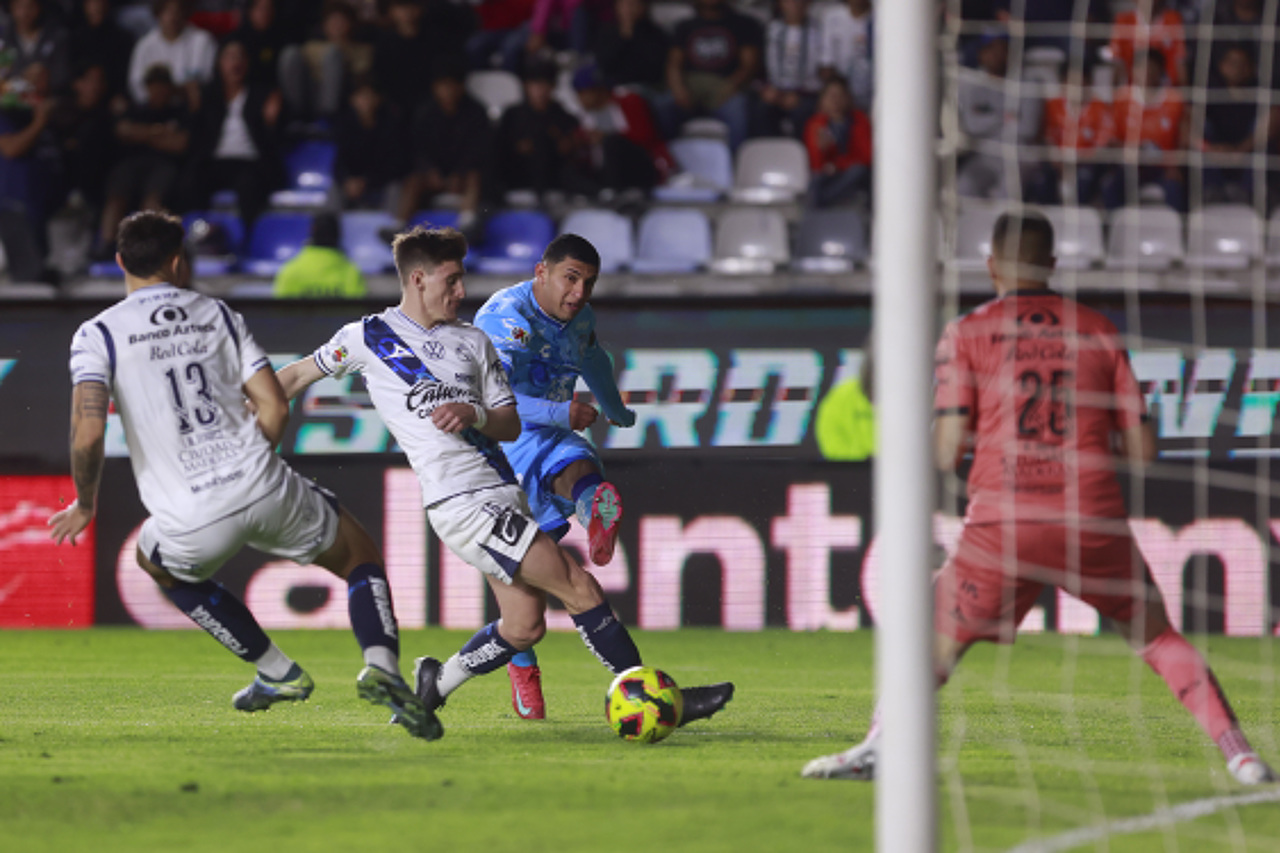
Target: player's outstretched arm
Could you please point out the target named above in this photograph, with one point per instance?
(298, 376)
(597, 370)
(269, 402)
(950, 435)
(89, 404)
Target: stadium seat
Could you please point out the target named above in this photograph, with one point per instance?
(771, 170)
(1077, 236)
(706, 171)
(673, 240)
(1273, 240)
(513, 242)
(362, 243)
(705, 127)
(608, 231)
(438, 218)
(276, 238)
(309, 168)
(831, 241)
(496, 89)
(751, 241)
(1223, 237)
(1144, 238)
(219, 239)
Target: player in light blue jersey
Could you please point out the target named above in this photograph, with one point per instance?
(544, 331)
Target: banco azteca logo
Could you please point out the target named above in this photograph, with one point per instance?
(168, 314)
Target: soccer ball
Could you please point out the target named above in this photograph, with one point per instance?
(643, 704)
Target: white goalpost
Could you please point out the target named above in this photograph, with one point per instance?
(906, 269)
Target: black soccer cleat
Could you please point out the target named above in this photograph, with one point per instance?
(425, 670)
(701, 702)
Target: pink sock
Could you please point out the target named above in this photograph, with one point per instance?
(940, 676)
(1189, 677)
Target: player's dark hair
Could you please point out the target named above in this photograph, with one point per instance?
(571, 246)
(1025, 236)
(427, 248)
(148, 241)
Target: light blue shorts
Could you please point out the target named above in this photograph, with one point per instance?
(537, 456)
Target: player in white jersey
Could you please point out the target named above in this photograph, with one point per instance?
(180, 366)
(442, 391)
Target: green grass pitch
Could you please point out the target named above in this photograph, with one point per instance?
(121, 739)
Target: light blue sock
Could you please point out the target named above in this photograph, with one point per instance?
(525, 658)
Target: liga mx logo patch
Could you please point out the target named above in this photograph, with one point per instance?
(340, 355)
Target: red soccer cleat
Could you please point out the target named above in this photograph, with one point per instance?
(526, 692)
(602, 532)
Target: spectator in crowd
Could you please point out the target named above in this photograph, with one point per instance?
(846, 49)
(153, 138)
(1077, 126)
(403, 55)
(564, 24)
(87, 129)
(792, 56)
(1151, 24)
(234, 138)
(838, 137)
(1253, 22)
(451, 140)
(32, 36)
(372, 154)
(315, 75)
(263, 39)
(502, 33)
(995, 120)
(320, 269)
(97, 40)
(632, 51)
(537, 139)
(714, 57)
(1233, 125)
(187, 50)
(1151, 116)
(31, 169)
(1046, 23)
(624, 149)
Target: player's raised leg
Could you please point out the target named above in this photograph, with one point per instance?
(355, 558)
(597, 505)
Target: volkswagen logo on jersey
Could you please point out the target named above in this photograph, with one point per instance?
(168, 314)
(433, 350)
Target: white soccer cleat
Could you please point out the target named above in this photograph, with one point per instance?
(1249, 769)
(858, 762)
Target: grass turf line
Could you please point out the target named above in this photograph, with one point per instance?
(121, 739)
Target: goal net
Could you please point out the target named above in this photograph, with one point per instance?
(1149, 134)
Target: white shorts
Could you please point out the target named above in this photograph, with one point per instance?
(299, 521)
(491, 529)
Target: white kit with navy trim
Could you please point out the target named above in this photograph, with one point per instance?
(409, 371)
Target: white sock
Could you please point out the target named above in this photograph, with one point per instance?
(383, 658)
(274, 664)
(452, 676)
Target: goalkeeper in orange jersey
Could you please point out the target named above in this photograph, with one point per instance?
(1042, 387)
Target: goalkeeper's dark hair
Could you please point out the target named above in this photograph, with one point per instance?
(571, 246)
(427, 248)
(1025, 236)
(148, 241)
